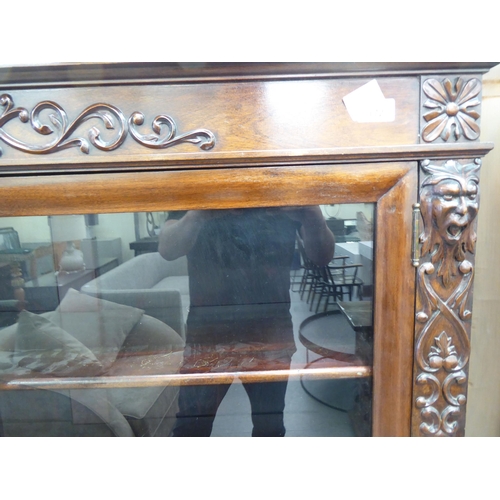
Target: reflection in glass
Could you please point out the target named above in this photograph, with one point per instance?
(214, 322)
(239, 264)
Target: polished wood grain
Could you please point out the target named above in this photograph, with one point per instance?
(394, 309)
(185, 190)
(162, 380)
(269, 118)
(314, 157)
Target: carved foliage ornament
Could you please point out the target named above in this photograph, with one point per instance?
(163, 126)
(450, 106)
(449, 201)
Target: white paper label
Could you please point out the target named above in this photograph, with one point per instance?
(367, 104)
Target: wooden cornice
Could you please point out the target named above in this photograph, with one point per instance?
(74, 74)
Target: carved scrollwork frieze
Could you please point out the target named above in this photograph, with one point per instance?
(449, 109)
(449, 202)
(62, 130)
(202, 137)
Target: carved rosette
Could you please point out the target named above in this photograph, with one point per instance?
(61, 130)
(449, 202)
(449, 109)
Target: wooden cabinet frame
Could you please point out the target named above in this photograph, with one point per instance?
(389, 175)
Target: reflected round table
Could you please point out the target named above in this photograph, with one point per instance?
(332, 335)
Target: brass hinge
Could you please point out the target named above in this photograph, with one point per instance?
(415, 247)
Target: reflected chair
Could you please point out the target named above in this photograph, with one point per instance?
(296, 270)
(313, 277)
(308, 269)
(346, 277)
(311, 274)
(337, 281)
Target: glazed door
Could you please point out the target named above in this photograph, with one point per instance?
(373, 367)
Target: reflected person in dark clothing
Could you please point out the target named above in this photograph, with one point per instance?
(239, 264)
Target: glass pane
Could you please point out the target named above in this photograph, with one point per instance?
(217, 322)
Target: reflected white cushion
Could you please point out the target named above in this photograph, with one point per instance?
(44, 347)
(100, 325)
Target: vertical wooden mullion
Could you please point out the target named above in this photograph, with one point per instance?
(394, 309)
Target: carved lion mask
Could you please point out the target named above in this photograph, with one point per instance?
(449, 204)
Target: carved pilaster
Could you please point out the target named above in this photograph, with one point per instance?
(449, 202)
(450, 109)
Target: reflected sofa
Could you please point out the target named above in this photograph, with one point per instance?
(88, 337)
(151, 283)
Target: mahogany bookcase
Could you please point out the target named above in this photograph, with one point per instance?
(148, 137)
